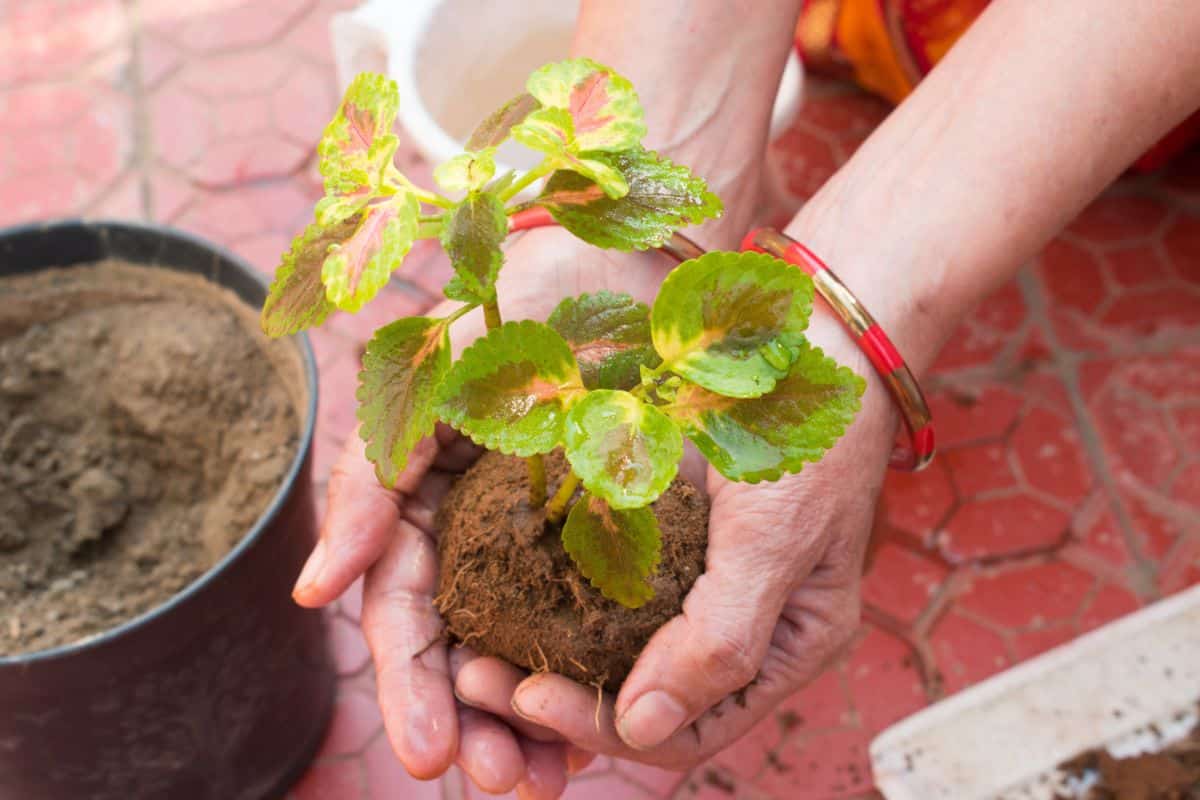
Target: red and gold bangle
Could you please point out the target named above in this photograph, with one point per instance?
(870, 338)
(862, 326)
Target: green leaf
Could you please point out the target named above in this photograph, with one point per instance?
(662, 197)
(764, 437)
(355, 270)
(497, 127)
(403, 366)
(297, 297)
(610, 336)
(548, 130)
(603, 106)
(624, 450)
(511, 389)
(732, 322)
(474, 231)
(357, 146)
(467, 171)
(616, 550)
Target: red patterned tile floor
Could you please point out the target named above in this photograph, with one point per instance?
(1068, 488)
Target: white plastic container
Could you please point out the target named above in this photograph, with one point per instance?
(456, 60)
(1131, 686)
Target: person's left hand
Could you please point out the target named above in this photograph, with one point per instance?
(778, 601)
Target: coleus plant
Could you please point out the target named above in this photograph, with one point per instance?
(720, 358)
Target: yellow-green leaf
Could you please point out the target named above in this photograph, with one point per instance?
(357, 146)
(616, 550)
(497, 127)
(732, 322)
(467, 171)
(609, 334)
(662, 198)
(624, 450)
(473, 233)
(511, 390)
(403, 366)
(355, 270)
(602, 105)
(761, 438)
(297, 298)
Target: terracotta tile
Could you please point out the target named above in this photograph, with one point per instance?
(386, 778)
(388, 306)
(981, 415)
(181, 126)
(918, 502)
(827, 766)
(1032, 643)
(302, 106)
(1003, 526)
(706, 783)
(1156, 525)
(1182, 242)
(747, 756)
(965, 652)
(823, 704)
(805, 160)
(332, 779)
(604, 786)
(885, 681)
(1136, 265)
(1073, 276)
(1183, 174)
(160, 58)
(1137, 436)
(844, 115)
(1104, 540)
(656, 782)
(1029, 595)
(1110, 602)
(356, 720)
(1182, 569)
(231, 162)
(980, 468)
(39, 196)
(249, 73)
(337, 405)
(1187, 423)
(1117, 217)
(1047, 448)
(236, 25)
(349, 647)
(40, 41)
(901, 582)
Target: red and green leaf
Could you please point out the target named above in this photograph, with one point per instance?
(511, 390)
(403, 366)
(762, 438)
(603, 107)
(732, 322)
(662, 198)
(498, 126)
(625, 451)
(297, 297)
(609, 334)
(616, 550)
(467, 171)
(357, 268)
(474, 231)
(357, 146)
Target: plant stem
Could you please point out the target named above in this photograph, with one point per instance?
(537, 480)
(491, 315)
(537, 173)
(556, 509)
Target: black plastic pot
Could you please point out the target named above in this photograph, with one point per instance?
(222, 693)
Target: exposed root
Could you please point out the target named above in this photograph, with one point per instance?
(599, 703)
(470, 636)
(447, 598)
(582, 668)
(545, 667)
(468, 612)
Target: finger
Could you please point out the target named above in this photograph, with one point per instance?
(489, 752)
(404, 632)
(361, 519)
(717, 645)
(488, 684)
(578, 759)
(455, 452)
(585, 718)
(545, 771)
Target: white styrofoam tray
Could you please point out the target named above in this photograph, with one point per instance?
(1131, 686)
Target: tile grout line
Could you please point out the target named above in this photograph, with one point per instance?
(1066, 365)
(140, 162)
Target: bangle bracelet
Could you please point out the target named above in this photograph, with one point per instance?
(862, 326)
(871, 340)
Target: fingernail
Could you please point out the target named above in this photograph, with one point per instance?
(651, 720)
(312, 570)
(516, 706)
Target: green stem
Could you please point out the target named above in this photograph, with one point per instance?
(537, 480)
(537, 173)
(491, 315)
(556, 509)
(458, 313)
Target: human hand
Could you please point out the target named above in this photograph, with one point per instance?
(388, 534)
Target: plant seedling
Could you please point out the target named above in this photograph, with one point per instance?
(720, 358)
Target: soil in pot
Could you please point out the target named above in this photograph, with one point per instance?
(509, 589)
(1172, 773)
(145, 424)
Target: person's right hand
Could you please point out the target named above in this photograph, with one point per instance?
(388, 534)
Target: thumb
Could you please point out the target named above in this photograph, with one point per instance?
(716, 646)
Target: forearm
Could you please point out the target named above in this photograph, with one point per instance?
(1034, 111)
(707, 72)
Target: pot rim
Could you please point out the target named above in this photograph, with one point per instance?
(304, 444)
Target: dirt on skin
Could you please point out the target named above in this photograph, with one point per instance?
(509, 589)
(1170, 774)
(145, 425)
